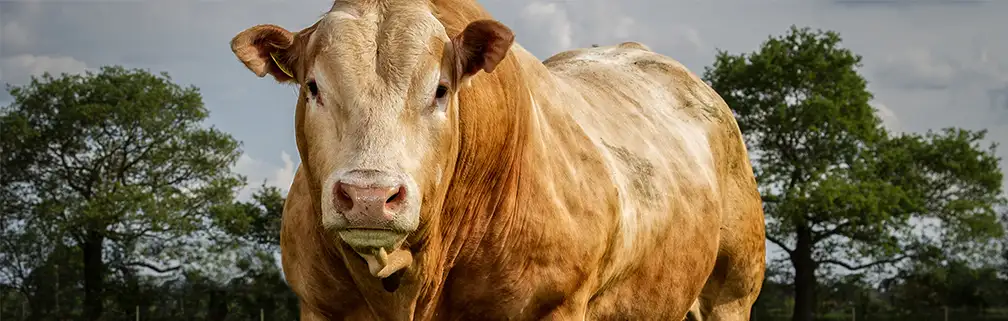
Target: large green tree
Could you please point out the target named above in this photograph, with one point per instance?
(112, 162)
(839, 190)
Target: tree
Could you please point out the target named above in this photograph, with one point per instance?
(838, 189)
(256, 222)
(114, 159)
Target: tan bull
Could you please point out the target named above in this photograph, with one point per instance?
(448, 174)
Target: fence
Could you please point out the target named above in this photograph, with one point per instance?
(112, 315)
(930, 314)
(8, 313)
(116, 316)
(229, 312)
(157, 304)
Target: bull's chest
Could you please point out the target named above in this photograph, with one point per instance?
(500, 293)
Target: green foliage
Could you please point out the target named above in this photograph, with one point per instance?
(923, 291)
(254, 286)
(824, 162)
(838, 188)
(257, 221)
(116, 158)
(950, 283)
(118, 147)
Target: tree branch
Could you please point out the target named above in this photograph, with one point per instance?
(771, 199)
(152, 267)
(830, 232)
(780, 244)
(865, 266)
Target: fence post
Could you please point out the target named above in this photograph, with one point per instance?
(946, 313)
(57, 290)
(853, 314)
(262, 315)
(138, 313)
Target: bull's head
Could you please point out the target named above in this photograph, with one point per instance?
(377, 112)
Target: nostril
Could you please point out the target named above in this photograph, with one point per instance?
(343, 199)
(398, 197)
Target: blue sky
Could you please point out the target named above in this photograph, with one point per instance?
(930, 63)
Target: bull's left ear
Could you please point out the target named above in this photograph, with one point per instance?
(481, 45)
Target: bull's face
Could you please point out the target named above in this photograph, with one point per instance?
(377, 110)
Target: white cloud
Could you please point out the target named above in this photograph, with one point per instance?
(285, 176)
(889, 118)
(552, 18)
(936, 69)
(999, 98)
(18, 69)
(13, 36)
(917, 69)
(256, 171)
(626, 27)
(686, 38)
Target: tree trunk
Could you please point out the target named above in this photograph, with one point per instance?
(132, 297)
(94, 275)
(218, 306)
(805, 280)
(268, 305)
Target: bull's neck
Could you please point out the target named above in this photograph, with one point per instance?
(495, 123)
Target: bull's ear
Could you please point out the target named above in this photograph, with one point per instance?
(481, 45)
(266, 49)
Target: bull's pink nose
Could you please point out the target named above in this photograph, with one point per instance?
(368, 206)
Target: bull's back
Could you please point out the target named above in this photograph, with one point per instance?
(628, 84)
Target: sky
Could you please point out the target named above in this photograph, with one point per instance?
(930, 63)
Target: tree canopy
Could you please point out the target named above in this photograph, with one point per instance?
(115, 164)
(839, 189)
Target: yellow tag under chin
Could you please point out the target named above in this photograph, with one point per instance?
(282, 68)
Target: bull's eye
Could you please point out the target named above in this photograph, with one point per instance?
(440, 92)
(313, 88)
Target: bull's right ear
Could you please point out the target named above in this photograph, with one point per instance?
(266, 49)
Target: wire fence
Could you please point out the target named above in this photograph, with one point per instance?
(138, 313)
(268, 301)
(135, 315)
(229, 311)
(924, 314)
